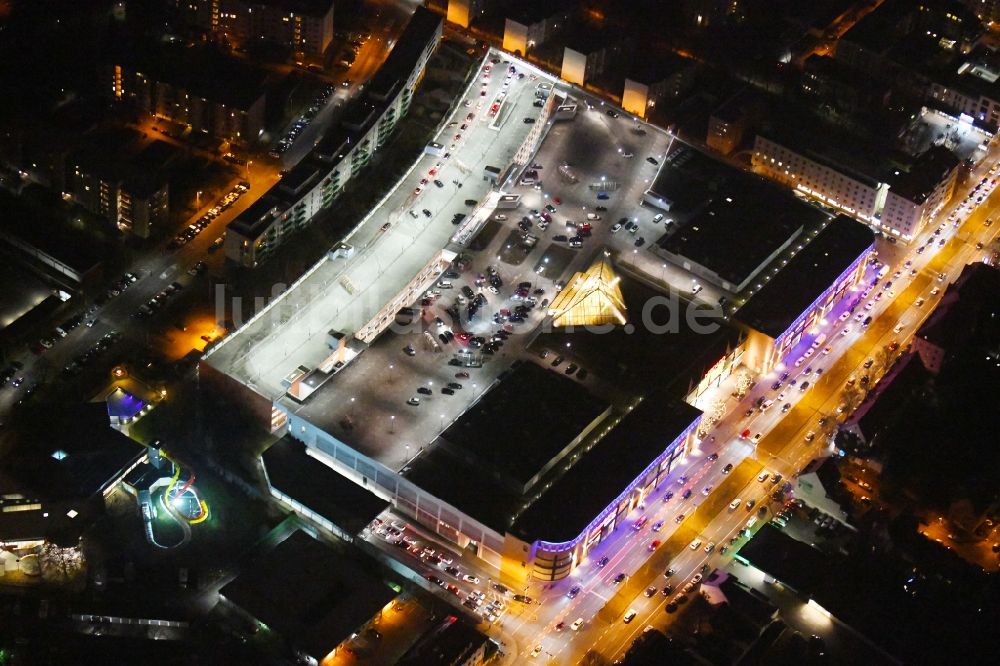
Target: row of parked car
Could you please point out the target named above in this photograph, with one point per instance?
(158, 301)
(77, 365)
(196, 228)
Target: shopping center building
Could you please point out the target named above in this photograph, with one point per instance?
(532, 469)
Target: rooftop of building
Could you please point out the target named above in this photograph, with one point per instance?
(745, 102)
(552, 410)
(813, 270)
(317, 486)
(314, 8)
(740, 223)
(877, 30)
(398, 65)
(465, 487)
(257, 217)
(651, 71)
(830, 146)
(294, 182)
(77, 456)
(311, 593)
(452, 641)
(969, 311)
(794, 563)
(529, 12)
(924, 175)
(598, 478)
(829, 67)
(201, 72)
(586, 38)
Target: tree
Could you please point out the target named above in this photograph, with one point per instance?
(60, 565)
(884, 357)
(711, 417)
(743, 383)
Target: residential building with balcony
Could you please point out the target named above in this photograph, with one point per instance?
(304, 26)
(320, 178)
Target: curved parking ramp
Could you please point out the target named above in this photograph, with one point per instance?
(651, 573)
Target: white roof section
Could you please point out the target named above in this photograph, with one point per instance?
(343, 293)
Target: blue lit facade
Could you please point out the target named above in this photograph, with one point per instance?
(823, 304)
(553, 561)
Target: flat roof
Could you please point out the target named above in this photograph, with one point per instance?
(259, 215)
(688, 179)
(576, 498)
(806, 276)
(744, 222)
(928, 171)
(319, 487)
(824, 144)
(655, 70)
(530, 12)
(293, 182)
(550, 410)
(313, 594)
(874, 30)
(452, 641)
(791, 561)
(314, 8)
(398, 65)
(36, 221)
(202, 72)
(968, 310)
(76, 456)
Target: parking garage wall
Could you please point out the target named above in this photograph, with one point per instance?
(432, 513)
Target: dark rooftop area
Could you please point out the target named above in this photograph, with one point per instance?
(969, 310)
(305, 173)
(398, 65)
(252, 221)
(453, 641)
(523, 424)
(312, 594)
(593, 483)
(77, 456)
(531, 12)
(38, 223)
(200, 71)
(807, 275)
(307, 7)
(827, 145)
(462, 484)
(926, 172)
(323, 490)
(653, 70)
(745, 222)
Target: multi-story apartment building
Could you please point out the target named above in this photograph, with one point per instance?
(663, 78)
(302, 25)
(896, 201)
(852, 187)
(973, 89)
(918, 194)
(729, 123)
(588, 54)
(528, 26)
(319, 179)
(187, 90)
